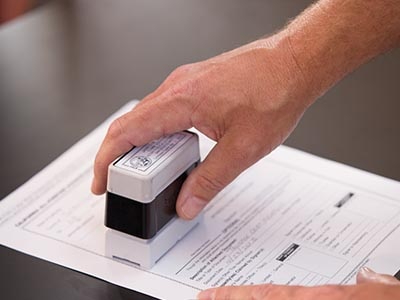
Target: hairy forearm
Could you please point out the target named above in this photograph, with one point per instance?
(334, 37)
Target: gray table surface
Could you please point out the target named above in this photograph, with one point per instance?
(68, 65)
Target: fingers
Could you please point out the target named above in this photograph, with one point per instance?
(233, 154)
(161, 116)
(247, 292)
(111, 148)
(177, 77)
(366, 275)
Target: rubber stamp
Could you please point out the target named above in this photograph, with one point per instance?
(142, 189)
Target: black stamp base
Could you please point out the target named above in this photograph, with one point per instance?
(144, 220)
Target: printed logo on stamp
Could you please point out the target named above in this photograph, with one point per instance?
(137, 162)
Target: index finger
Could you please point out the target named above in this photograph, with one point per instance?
(147, 122)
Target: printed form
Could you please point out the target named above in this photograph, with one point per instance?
(292, 218)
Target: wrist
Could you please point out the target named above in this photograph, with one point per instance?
(277, 58)
(334, 37)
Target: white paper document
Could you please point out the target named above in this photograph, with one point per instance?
(292, 218)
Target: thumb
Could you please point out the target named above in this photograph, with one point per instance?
(366, 275)
(232, 154)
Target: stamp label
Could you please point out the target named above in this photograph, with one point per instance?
(146, 158)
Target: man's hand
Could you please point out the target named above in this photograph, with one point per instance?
(248, 100)
(367, 291)
(371, 286)
(366, 275)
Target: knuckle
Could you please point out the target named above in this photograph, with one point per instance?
(184, 69)
(179, 72)
(185, 89)
(115, 130)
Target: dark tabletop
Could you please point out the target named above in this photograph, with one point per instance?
(67, 66)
